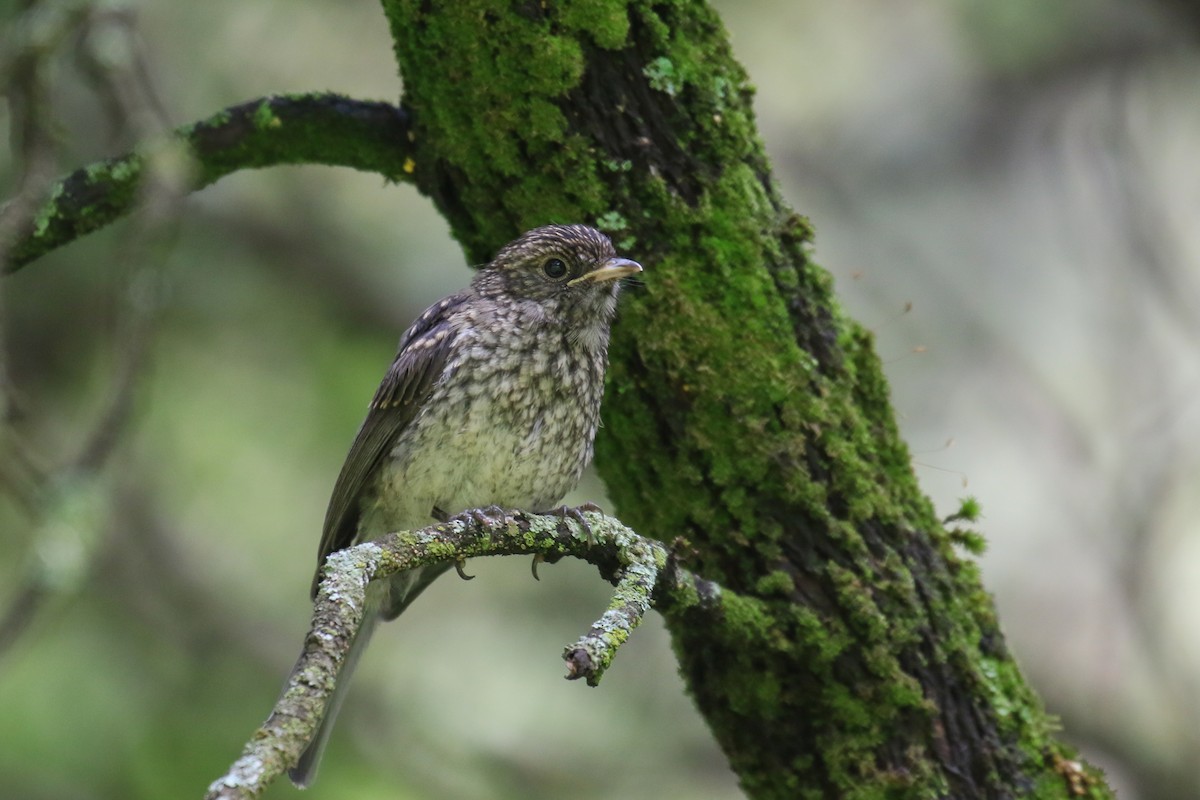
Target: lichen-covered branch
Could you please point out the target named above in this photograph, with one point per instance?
(286, 129)
(642, 562)
(644, 572)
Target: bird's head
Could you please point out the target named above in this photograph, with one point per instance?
(571, 270)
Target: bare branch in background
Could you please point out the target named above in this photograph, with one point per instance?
(31, 42)
(68, 506)
(115, 62)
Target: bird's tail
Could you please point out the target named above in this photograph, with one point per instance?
(385, 600)
(305, 771)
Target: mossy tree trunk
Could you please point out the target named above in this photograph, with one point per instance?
(747, 421)
(746, 418)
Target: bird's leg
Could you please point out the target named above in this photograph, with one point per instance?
(478, 516)
(488, 515)
(566, 512)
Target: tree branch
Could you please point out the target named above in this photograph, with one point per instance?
(643, 570)
(286, 129)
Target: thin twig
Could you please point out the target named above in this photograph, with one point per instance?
(118, 72)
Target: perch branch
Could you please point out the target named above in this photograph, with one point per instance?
(285, 129)
(644, 572)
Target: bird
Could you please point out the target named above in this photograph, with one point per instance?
(492, 400)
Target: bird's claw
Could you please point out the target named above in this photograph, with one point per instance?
(459, 566)
(538, 558)
(487, 516)
(576, 513)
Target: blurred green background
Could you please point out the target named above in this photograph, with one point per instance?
(1007, 194)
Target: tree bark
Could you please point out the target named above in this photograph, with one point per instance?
(745, 413)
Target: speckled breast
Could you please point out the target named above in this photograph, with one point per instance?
(506, 425)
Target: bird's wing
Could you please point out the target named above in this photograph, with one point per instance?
(419, 363)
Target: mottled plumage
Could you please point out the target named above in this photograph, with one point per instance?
(493, 399)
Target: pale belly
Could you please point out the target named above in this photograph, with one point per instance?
(474, 463)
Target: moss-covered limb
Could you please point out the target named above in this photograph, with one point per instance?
(744, 412)
(641, 565)
(285, 129)
(641, 569)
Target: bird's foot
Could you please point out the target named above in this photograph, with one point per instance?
(576, 513)
(489, 515)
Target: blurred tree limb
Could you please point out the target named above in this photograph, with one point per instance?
(67, 505)
(285, 129)
(745, 412)
(642, 570)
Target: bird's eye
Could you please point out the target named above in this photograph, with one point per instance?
(554, 268)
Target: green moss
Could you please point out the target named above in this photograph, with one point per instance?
(606, 23)
(748, 620)
(612, 222)
(972, 541)
(557, 67)
(661, 74)
(757, 695)
(1015, 706)
(777, 583)
(216, 120)
(969, 510)
(121, 170)
(858, 605)
(823, 642)
(264, 117)
(46, 214)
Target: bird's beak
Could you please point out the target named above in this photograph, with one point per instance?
(608, 271)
